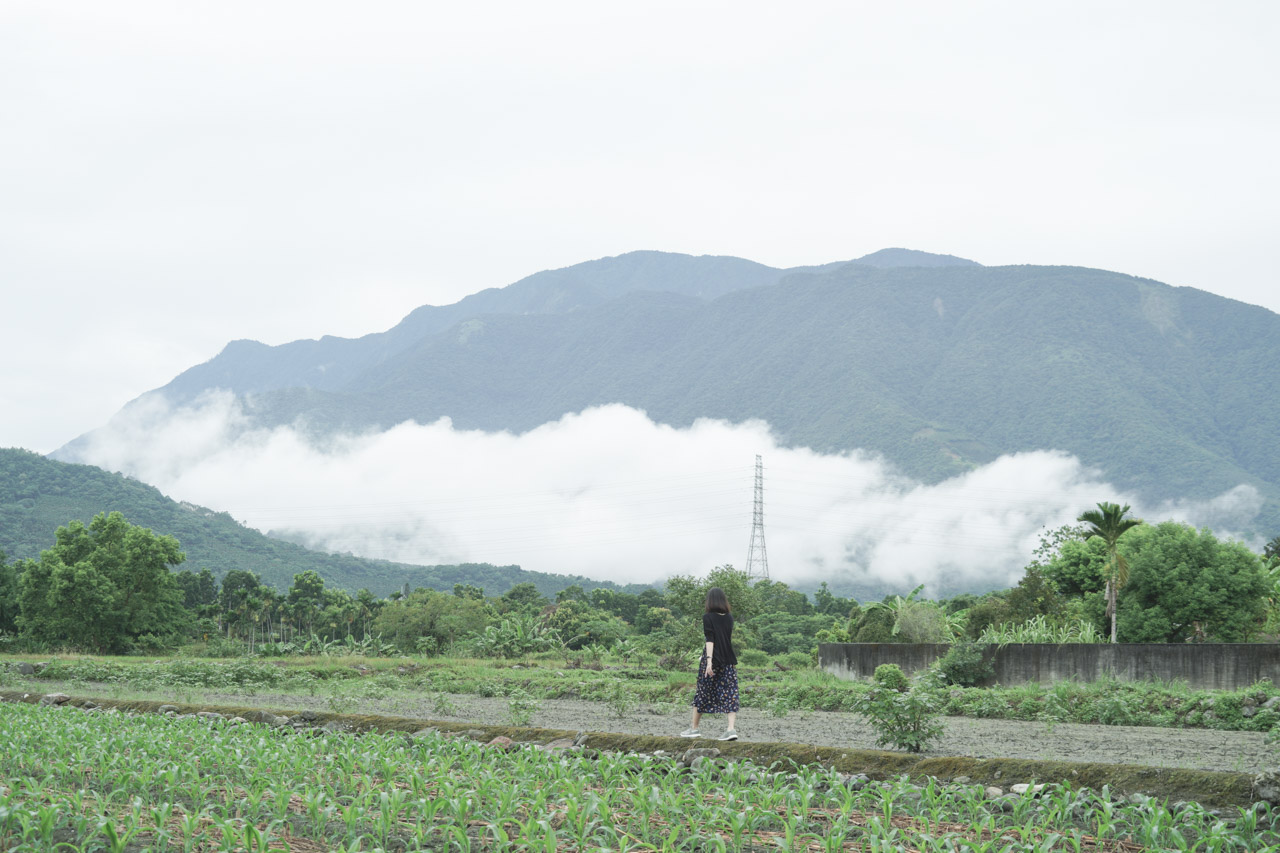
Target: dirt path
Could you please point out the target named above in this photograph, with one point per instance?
(1188, 748)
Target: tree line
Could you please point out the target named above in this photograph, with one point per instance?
(114, 587)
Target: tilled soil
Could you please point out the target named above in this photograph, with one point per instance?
(1134, 745)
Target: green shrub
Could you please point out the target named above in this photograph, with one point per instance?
(620, 699)
(964, 665)
(904, 719)
(891, 677)
(781, 705)
(521, 707)
(442, 703)
(1264, 721)
(753, 657)
(796, 660)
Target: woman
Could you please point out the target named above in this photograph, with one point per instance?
(717, 691)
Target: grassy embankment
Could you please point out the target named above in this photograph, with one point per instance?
(346, 681)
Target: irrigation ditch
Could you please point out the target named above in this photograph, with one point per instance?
(1212, 788)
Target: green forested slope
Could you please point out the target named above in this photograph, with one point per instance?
(1168, 391)
(38, 495)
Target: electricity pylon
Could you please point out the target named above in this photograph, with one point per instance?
(757, 556)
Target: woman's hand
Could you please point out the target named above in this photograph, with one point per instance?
(710, 672)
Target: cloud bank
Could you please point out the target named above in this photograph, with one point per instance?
(609, 494)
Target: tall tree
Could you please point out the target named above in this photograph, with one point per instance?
(306, 599)
(8, 595)
(1271, 551)
(1185, 583)
(238, 587)
(101, 586)
(1108, 522)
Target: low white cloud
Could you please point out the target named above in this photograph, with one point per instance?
(609, 494)
(1226, 514)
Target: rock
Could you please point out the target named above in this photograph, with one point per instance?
(55, 699)
(581, 739)
(1022, 788)
(1271, 703)
(307, 716)
(962, 780)
(427, 732)
(856, 782)
(1248, 711)
(691, 754)
(263, 717)
(558, 745)
(1266, 786)
(1007, 803)
(1139, 799)
(502, 742)
(209, 715)
(24, 668)
(994, 793)
(238, 721)
(167, 709)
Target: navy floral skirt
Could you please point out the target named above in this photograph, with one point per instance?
(718, 694)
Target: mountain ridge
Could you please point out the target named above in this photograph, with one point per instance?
(939, 367)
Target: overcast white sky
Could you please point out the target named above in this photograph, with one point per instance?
(177, 175)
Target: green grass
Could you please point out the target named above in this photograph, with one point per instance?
(1163, 704)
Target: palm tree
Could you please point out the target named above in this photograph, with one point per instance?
(1271, 551)
(1109, 522)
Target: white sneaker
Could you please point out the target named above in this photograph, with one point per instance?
(691, 733)
(730, 734)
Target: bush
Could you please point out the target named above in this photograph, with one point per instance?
(753, 657)
(620, 699)
(796, 660)
(521, 707)
(904, 719)
(964, 665)
(891, 677)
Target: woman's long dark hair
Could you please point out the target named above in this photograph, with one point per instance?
(716, 601)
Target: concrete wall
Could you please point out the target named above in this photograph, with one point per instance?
(1216, 666)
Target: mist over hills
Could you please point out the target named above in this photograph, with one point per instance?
(929, 418)
(39, 495)
(937, 363)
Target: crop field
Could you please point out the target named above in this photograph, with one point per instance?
(80, 781)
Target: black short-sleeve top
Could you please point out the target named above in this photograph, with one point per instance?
(718, 629)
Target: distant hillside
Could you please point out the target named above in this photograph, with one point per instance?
(935, 362)
(39, 495)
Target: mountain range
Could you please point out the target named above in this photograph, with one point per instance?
(935, 362)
